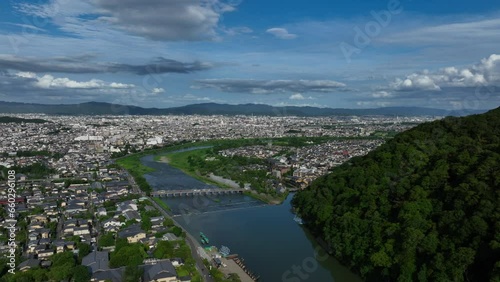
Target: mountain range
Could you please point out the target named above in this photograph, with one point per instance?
(99, 108)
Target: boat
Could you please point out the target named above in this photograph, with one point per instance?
(204, 238)
(298, 220)
(224, 251)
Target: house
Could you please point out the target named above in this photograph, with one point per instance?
(70, 245)
(31, 246)
(112, 222)
(33, 236)
(127, 206)
(157, 222)
(130, 214)
(113, 275)
(34, 226)
(160, 271)
(44, 241)
(38, 218)
(44, 232)
(96, 261)
(101, 212)
(72, 209)
(133, 233)
(45, 254)
(60, 246)
(170, 237)
(83, 230)
(28, 264)
(68, 231)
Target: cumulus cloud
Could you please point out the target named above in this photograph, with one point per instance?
(487, 72)
(281, 33)
(476, 86)
(297, 96)
(50, 82)
(271, 86)
(170, 20)
(46, 89)
(158, 90)
(83, 64)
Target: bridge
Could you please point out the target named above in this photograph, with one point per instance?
(196, 192)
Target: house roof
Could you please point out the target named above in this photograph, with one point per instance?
(132, 215)
(130, 231)
(29, 263)
(161, 269)
(97, 261)
(114, 275)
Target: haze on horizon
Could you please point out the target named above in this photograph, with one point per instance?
(349, 54)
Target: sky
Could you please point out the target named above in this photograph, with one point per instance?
(169, 53)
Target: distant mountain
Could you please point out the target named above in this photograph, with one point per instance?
(98, 108)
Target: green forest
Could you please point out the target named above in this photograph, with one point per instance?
(422, 207)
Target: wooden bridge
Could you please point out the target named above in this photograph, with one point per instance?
(196, 192)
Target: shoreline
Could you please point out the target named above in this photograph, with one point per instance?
(221, 182)
(163, 159)
(200, 250)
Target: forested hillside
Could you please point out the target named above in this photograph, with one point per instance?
(422, 207)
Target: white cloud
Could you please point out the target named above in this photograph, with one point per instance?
(281, 33)
(48, 81)
(237, 30)
(448, 33)
(373, 104)
(253, 86)
(286, 104)
(415, 81)
(297, 96)
(381, 94)
(170, 20)
(487, 72)
(158, 90)
(120, 85)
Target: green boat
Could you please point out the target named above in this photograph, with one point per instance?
(204, 238)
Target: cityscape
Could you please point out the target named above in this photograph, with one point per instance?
(249, 141)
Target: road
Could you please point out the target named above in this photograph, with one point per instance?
(193, 244)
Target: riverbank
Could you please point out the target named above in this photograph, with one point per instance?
(201, 275)
(199, 253)
(269, 240)
(183, 162)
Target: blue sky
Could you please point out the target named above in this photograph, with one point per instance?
(167, 53)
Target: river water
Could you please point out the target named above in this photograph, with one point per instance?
(272, 244)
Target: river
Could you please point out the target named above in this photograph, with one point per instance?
(272, 244)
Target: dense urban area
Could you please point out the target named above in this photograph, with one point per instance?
(79, 214)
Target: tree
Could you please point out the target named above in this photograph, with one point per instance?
(168, 222)
(131, 254)
(146, 223)
(132, 273)
(177, 231)
(83, 250)
(423, 206)
(81, 274)
(106, 240)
